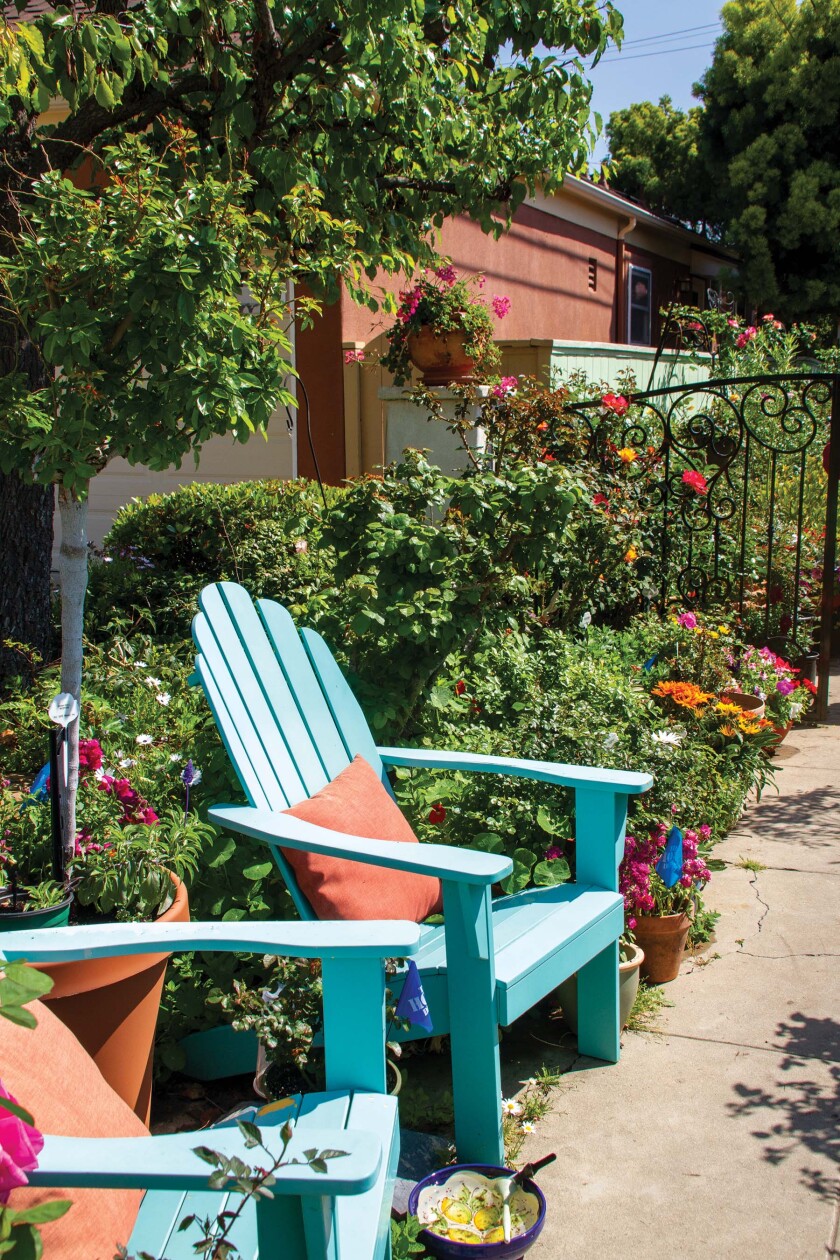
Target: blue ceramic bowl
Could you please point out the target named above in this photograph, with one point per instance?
(446, 1249)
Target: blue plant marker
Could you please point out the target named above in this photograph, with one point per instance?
(670, 866)
(412, 1004)
(39, 785)
(650, 662)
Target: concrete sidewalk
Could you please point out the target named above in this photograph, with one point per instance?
(718, 1135)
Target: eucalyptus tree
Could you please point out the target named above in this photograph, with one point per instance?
(201, 146)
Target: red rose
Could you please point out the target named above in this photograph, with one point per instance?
(437, 814)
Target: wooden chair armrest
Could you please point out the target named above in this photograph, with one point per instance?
(170, 1162)
(594, 778)
(380, 939)
(448, 862)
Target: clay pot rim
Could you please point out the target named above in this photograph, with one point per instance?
(628, 964)
(83, 975)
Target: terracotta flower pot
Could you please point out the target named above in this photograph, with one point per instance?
(780, 734)
(663, 938)
(628, 987)
(441, 357)
(111, 1005)
(745, 700)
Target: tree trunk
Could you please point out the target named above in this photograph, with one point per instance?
(26, 530)
(73, 568)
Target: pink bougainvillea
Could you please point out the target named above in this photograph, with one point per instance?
(506, 386)
(500, 305)
(20, 1146)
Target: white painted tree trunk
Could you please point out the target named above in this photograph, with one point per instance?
(73, 571)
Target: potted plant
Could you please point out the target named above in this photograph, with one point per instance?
(772, 680)
(445, 328)
(129, 864)
(660, 877)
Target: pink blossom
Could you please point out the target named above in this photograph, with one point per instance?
(552, 853)
(688, 620)
(768, 319)
(695, 480)
(501, 306)
(505, 386)
(733, 323)
(354, 356)
(20, 1146)
(746, 336)
(447, 274)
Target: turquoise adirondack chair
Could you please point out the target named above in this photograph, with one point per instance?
(291, 723)
(343, 1214)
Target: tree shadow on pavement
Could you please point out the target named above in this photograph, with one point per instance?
(810, 818)
(802, 1113)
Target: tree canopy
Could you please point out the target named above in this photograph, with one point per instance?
(343, 133)
(758, 162)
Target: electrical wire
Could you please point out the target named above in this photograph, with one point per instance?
(309, 438)
(670, 35)
(663, 52)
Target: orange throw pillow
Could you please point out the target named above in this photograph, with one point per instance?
(50, 1074)
(356, 804)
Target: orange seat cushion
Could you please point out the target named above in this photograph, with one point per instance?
(357, 804)
(58, 1083)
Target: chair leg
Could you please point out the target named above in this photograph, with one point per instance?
(473, 1030)
(598, 1019)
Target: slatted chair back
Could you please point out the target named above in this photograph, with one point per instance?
(288, 719)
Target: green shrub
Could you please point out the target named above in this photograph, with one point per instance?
(161, 551)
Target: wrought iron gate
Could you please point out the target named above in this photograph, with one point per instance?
(761, 538)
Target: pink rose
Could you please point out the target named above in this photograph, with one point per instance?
(20, 1146)
(688, 620)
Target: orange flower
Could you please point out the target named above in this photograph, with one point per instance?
(631, 554)
(685, 694)
(627, 455)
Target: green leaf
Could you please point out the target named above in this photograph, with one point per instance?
(259, 871)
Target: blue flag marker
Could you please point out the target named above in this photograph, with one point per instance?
(650, 662)
(412, 1004)
(670, 866)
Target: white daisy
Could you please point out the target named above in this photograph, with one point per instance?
(141, 665)
(510, 1107)
(176, 757)
(127, 762)
(527, 1127)
(152, 682)
(163, 697)
(145, 739)
(666, 737)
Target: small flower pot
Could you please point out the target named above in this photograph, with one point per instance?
(441, 357)
(28, 920)
(448, 1249)
(628, 987)
(745, 700)
(780, 735)
(663, 938)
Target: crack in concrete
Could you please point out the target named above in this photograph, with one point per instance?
(773, 957)
(761, 902)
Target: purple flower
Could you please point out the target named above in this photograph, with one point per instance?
(552, 853)
(189, 775)
(785, 686)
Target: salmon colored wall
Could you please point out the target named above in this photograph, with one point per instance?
(541, 264)
(320, 365)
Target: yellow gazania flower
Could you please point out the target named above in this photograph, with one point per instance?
(727, 730)
(713, 634)
(631, 554)
(747, 727)
(723, 630)
(732, 710)
(627, 455)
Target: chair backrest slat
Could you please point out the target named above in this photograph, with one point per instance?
(304, 684)
(245, 769)
(240, 722)
(346, 711)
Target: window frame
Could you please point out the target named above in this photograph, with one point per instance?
(632, 271)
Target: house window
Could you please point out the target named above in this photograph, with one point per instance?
(593, 274)
(639, 300)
